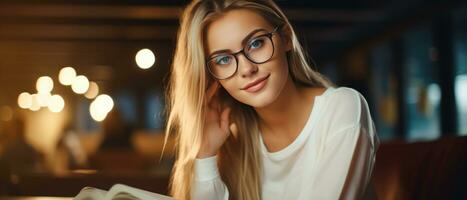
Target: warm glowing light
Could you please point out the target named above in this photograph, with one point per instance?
(43, 99)
(35, 103)
(93, 90)
(145, 58)
(80, 84)
(6, 113)
(105, 102)
(24, 100)
(67, 75)
(99, 108)
(56, 103)
(97, 112)
(44, 84)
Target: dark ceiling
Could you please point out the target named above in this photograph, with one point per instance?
(100, 38)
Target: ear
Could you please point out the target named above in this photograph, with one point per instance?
(286, 35)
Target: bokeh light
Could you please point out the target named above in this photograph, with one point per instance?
(93, 90)
(100, 107)
(35, 103)
(43, 99)
(105, 101)
(56, 103)
(44, 84)
(67, 75)
(80, 84)
(97, 113)
(145, 58)
(25, 100)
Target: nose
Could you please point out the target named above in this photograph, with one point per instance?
(246, 67)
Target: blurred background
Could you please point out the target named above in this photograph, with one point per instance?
(82, 90)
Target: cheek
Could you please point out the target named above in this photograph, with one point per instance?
(232, 89)
(229, 87)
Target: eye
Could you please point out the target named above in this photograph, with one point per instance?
(222, 60)
(256, 43)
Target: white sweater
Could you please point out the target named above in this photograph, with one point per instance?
(331, 158)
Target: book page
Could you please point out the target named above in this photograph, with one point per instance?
(124, 196)
(90, 193)
(132, 192)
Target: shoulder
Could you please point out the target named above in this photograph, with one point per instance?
(344, 99)
(345, 106)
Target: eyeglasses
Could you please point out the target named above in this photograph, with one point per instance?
(259, 49)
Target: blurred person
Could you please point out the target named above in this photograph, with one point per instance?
(69, 153)
(253, 120)
(116, 152)
(19, 156)
(117, 132)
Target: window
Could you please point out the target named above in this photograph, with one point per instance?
(155, 114)
(422, 92)
(125, 101)
(460, 62)
(383, 91)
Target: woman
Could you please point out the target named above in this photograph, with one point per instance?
(253, 120)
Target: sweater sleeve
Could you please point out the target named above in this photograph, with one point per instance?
(208, 184)
(346, 165)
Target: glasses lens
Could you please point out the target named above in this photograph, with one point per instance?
(259, 49)
(222, 66)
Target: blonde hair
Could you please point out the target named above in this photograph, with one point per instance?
(239, 158)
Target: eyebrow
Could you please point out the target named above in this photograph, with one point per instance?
(243, 42)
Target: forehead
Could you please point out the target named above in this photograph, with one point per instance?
(228, 31)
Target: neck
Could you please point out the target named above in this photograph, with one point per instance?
(286, 114)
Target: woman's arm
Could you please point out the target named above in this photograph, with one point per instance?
(346, 164)
(208, 184)
(360, 171)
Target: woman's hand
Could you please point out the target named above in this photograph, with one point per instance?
(216, 124)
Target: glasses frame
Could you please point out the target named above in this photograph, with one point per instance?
(269, 35)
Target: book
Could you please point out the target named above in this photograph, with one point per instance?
(119, 192)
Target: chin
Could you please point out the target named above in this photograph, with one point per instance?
(259, 100)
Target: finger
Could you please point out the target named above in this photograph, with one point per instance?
(211, 91)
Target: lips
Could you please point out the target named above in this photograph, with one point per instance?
(254, 84)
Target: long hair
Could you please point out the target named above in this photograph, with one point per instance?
(239, 158)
